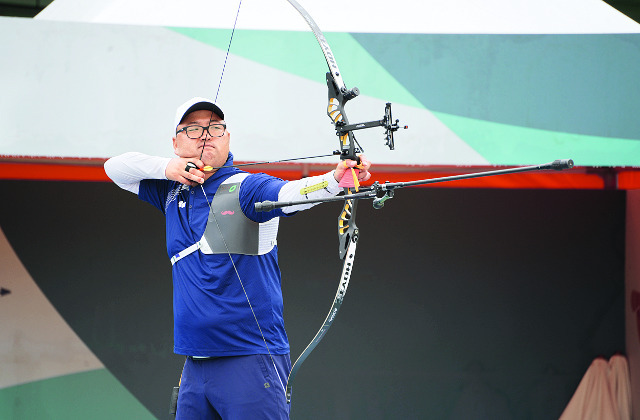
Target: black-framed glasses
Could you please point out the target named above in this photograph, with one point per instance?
(196, 131)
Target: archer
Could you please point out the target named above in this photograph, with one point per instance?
(228, 308)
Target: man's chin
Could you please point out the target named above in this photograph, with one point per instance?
(212, 161)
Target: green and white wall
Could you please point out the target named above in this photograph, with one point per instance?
(86, 289)
(106, 77)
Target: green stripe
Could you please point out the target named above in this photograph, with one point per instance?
(503, 144)
(95, 395)
(584, 83)
(298, 53)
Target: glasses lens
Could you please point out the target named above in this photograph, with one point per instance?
(194, 131)
(216, 130)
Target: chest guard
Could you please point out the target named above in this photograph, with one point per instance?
(240, 235)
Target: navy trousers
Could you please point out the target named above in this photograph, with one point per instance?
(234, 388)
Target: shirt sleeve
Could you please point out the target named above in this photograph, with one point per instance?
(128, 169)
(309, 188)
(156, 192)
(262, 187)
(256, 188)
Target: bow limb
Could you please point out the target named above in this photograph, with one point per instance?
(338, 92)
(348, 233)
(326, 50)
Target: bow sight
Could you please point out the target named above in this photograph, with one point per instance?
(387, 122)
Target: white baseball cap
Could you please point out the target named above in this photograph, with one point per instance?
(196, 104)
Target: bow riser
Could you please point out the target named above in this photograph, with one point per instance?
(347, 229)
(335, 110)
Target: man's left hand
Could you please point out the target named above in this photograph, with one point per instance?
(345, 165)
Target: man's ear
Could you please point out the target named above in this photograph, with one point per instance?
(175, 145)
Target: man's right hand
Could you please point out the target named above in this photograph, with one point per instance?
(177, 171)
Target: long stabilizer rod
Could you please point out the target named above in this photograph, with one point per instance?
(374, 191)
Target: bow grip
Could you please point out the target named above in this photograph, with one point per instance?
(350, 177)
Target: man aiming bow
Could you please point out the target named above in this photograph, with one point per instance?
(227, 299)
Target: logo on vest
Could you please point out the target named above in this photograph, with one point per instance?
(182, 204)
(227, 212)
